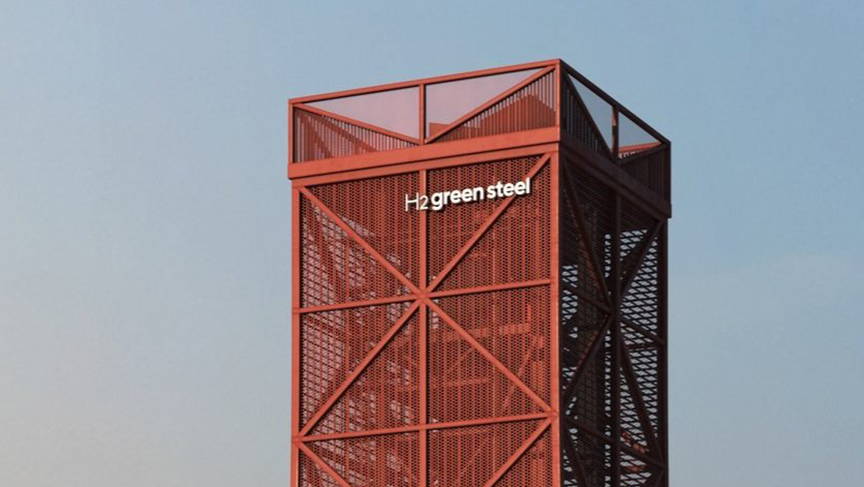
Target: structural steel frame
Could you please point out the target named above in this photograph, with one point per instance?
(567, 158)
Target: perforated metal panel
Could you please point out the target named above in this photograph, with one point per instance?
(518, 340)
(321, 137)
(487, 328)
(612, 335)
(528, 108)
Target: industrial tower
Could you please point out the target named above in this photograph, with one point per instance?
(479, 285)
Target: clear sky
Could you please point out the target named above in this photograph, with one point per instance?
(144, 220)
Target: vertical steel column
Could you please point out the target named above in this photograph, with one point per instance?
(555, 315)
(295, 333)
(615, 371)
(555, 291)
(616, 142)
(290, 134)
(662, 328)
(423, 366)
(422, 131)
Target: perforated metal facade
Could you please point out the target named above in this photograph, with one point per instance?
(509, 340)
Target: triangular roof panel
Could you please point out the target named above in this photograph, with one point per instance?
(599, 109)
(447, 102)
(394, 110)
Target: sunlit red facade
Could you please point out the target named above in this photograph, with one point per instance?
(511, 334)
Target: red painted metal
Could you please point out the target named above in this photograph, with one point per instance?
(424, 336)
(351, 121)
(554, 314)
(425, 427)
(484, 148)
(503, 342)
(513, 120)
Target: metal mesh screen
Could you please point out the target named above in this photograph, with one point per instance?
(428, 340)
(385, 395)
(516, 247)
(451, 229)
(374, 208)
(577, 121)
(531, 107)
(321, 137)
(334, 268)
(375, 461)
(312, 475)
(333, 343)
(475, 332)
(514, 326)
(469, 457)
(610, 334)
(649, 168)
(532, 468)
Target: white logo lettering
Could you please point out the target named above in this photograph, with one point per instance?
(438, 201)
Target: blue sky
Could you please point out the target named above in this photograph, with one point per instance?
(144, 243)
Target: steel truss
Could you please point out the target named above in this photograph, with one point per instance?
(513, 342)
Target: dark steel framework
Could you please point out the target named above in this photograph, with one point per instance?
(510, 342)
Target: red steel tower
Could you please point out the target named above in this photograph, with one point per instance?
(479, 284)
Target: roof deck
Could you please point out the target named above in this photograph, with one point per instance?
(520, 105)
